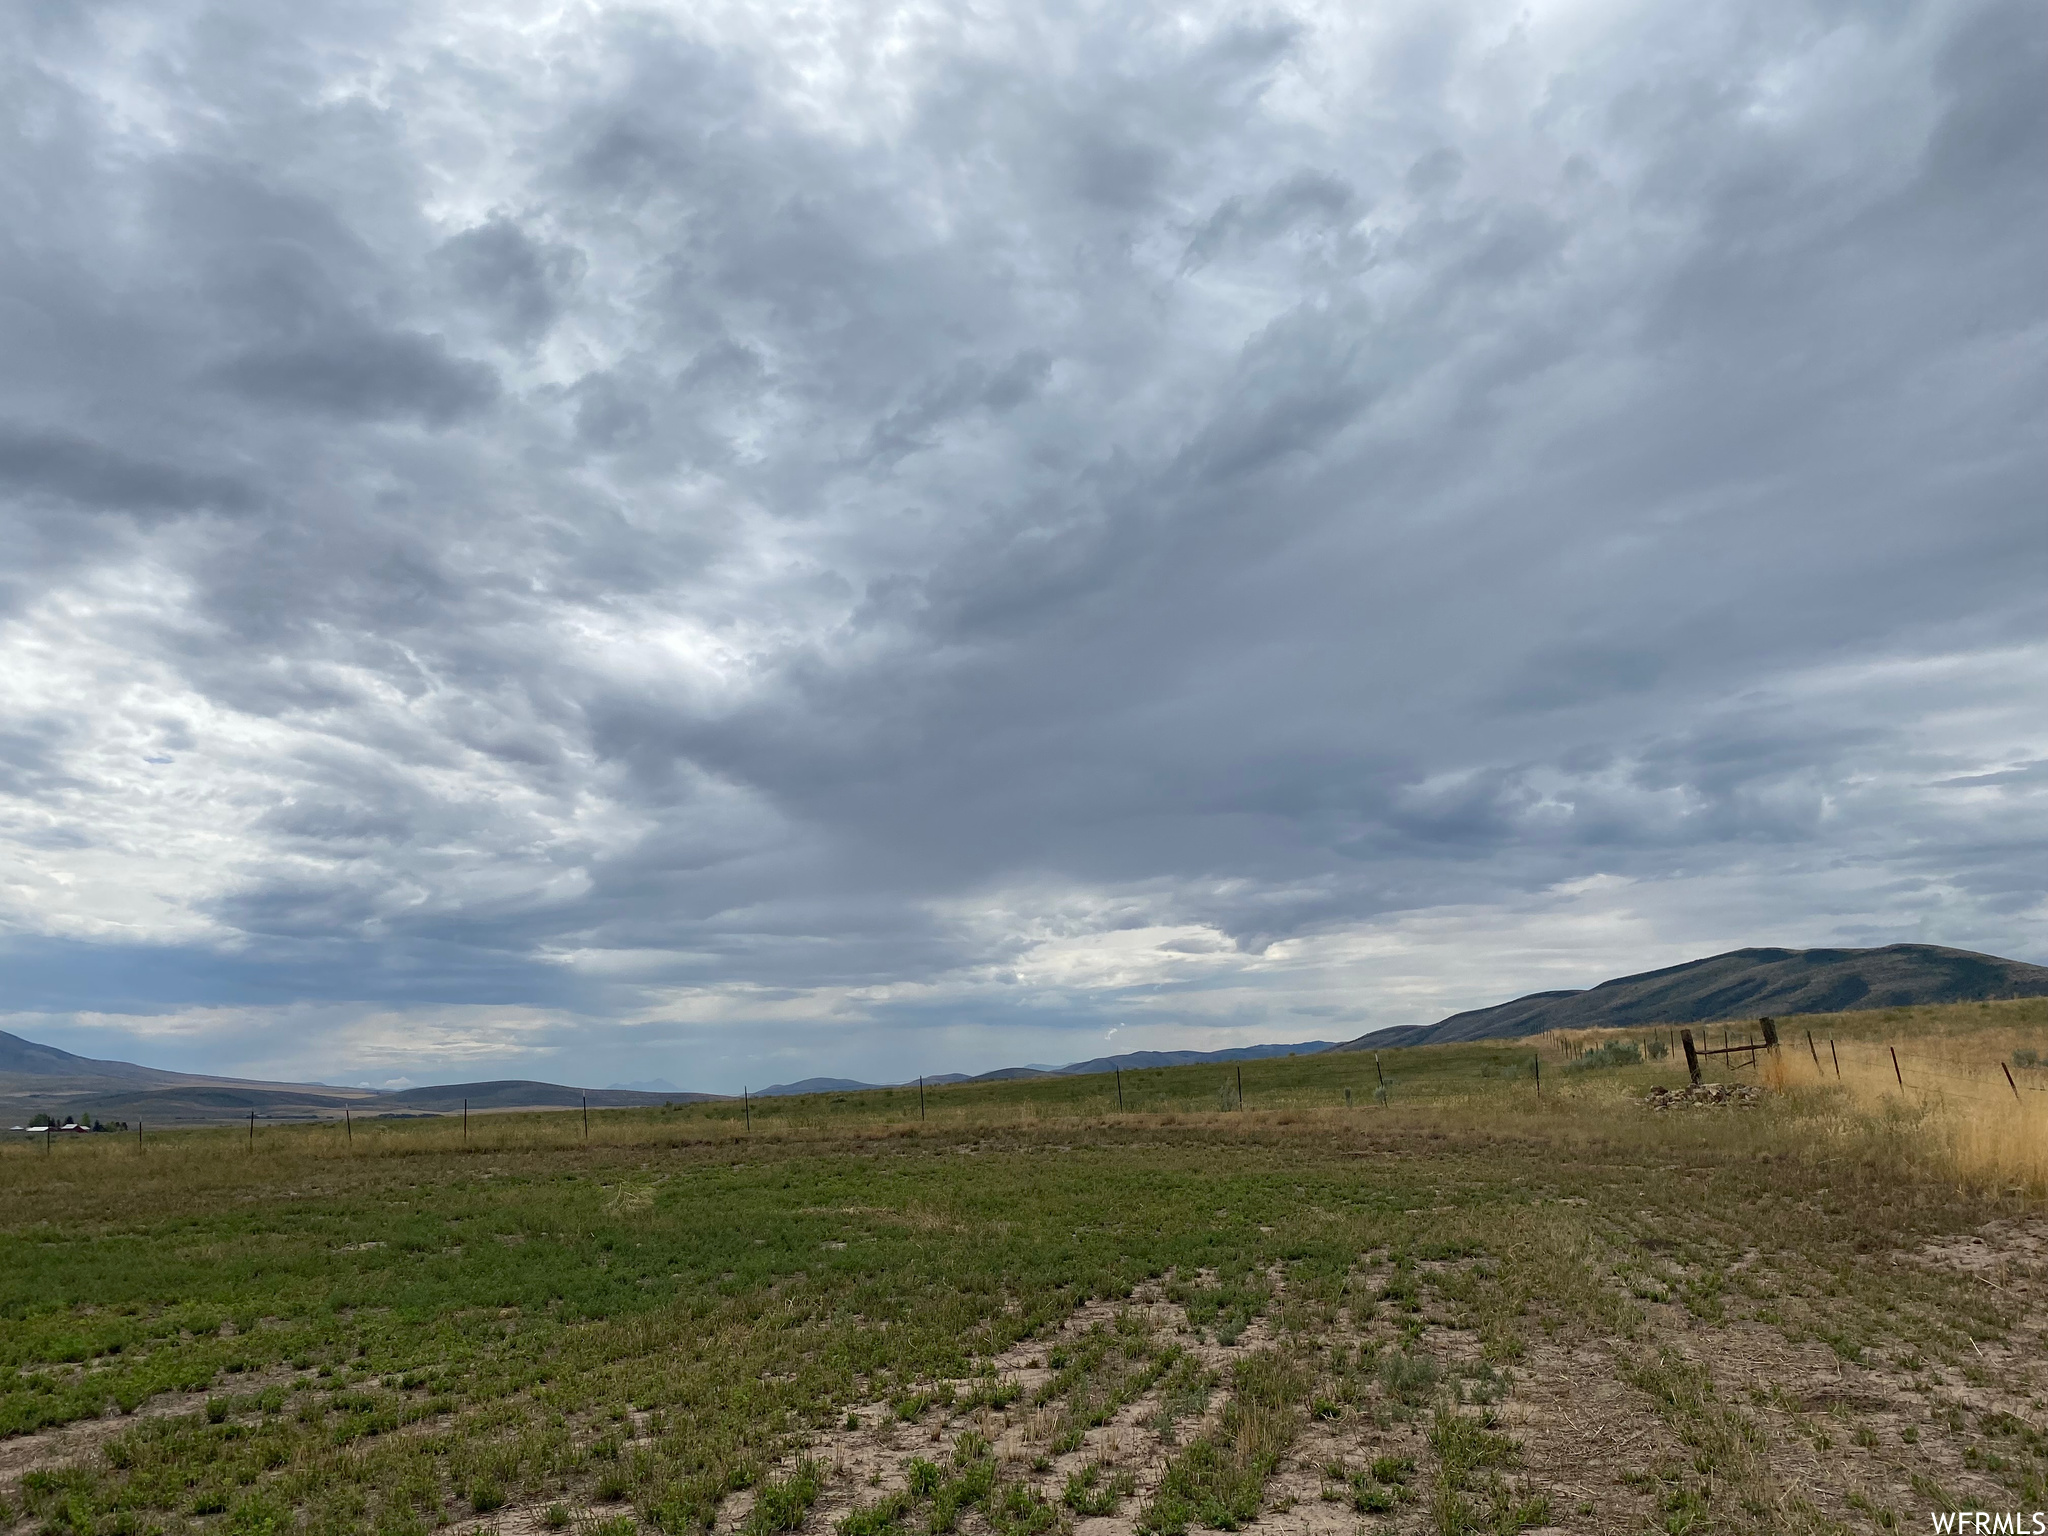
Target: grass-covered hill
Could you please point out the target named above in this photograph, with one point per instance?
(1743, 984)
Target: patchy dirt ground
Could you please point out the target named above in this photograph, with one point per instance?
(1836, 1443)
(61, 1447)
(1828, 1441)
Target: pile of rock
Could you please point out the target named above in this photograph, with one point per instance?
(1705, 1093)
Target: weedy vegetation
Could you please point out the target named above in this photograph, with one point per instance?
(1459, 1306)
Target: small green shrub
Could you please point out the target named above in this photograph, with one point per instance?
(782, 1503)
(884, 1517)
(1089, 1492)
(1410, 1380)
(1615, 1053)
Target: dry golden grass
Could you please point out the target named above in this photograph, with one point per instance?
(1955, 1110)
(1949, 1089)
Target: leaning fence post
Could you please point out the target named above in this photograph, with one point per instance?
(1895, 1065)
(2015, 1087)
(1815, 1049)
(1692, 1057)
(1837, 1055)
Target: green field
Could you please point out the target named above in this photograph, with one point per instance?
(1453, 1306)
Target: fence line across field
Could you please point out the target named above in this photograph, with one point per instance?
(1695, 1054)
(1911, 1073)
(1995, 1085)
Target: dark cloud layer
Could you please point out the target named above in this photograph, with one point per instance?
(566, 541)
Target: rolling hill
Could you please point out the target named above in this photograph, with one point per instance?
(1743, 984)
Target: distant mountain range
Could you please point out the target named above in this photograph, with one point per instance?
(1130, 1061)
(1742, 983)
(40, 1078)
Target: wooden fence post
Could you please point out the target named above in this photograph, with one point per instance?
(1119, 1090)
(348, 1125)
(1537, 1061)
(1836, 1055)
(1240, 1088)
(1815, 1049)
(920, 1098)
(1770, 1029)
(2015, 1087)
(1895, 1065)
(1382, 1077)
(747, 1108)
(1692, 1057)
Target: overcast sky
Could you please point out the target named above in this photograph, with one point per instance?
(718, 543)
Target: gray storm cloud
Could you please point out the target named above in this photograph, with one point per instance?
(633, 536)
